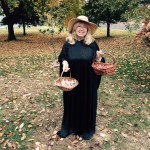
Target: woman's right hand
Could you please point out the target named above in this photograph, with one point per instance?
(65, 66)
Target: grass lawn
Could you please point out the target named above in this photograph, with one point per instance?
(31, 106)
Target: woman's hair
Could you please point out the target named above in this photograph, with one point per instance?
(71, 38)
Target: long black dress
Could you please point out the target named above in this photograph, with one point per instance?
(80, 104)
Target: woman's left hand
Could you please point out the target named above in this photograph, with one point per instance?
(99, 54)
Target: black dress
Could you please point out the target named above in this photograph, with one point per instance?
(80, 104)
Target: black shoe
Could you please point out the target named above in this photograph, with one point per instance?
(87, 136)
(64, 133)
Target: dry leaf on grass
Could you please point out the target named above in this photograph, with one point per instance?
(1, 134)
(8, 144)
(124, 135)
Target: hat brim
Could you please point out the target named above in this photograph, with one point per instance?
(93, 26)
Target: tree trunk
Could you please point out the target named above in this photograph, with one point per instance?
(108, 29)
(24, 28)
(11, 35)
(6, 10)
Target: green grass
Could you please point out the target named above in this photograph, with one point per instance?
(14, 132)
(48, 99)
(23, 65)
(125, 96)
(28, 97)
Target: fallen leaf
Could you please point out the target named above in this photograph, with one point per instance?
(5, 143)
(1, 134)
(130, 124)
(54, 136)
(21, 126)
(52, 143)
(116, 130)
(134, 139)
(29, 126)
(74, 142)
(31, 140)
(55, 132)
(70, 147)
(124, 134)
(23, 136)
(9, 145)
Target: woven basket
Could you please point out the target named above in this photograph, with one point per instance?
(66, 83)
(101, 68)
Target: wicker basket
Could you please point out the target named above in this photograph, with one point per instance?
(66, 83)
(101, 68)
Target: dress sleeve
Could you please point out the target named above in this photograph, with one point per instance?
(63, 54)
(95, 47)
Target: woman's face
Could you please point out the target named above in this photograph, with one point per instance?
(81, 30)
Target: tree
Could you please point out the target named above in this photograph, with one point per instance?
(61, 11)
(27, 15)
(9, 17)
(135, 15)
(18, 11)
(74, 8)
(138, 15)
(104, 11)
(56, 16)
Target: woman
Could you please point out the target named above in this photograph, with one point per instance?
(77, 55)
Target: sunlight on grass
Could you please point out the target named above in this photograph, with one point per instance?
(101, 31)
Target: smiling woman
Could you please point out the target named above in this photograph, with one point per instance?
(80, 104)
(81, 29)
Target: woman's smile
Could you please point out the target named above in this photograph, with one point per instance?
(81, 30)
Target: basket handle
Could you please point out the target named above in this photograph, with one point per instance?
(114, 61)
(63, 72)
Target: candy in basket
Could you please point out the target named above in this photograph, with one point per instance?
(66, 83)
(101, 68)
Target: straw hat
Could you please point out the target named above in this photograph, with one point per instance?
(93, 26)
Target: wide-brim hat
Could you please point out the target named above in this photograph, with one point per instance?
(71, 23)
